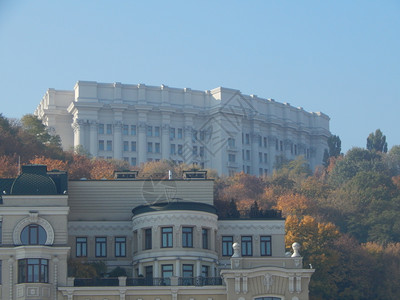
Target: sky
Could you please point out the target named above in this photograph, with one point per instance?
(341, 58)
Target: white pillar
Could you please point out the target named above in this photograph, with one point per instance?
(93, 138)
(118, 140)
(141, 143)
(177, 268)
(198, 268)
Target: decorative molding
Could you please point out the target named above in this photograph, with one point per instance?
(33, 219)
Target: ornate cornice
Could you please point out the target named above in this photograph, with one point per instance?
(33, 219)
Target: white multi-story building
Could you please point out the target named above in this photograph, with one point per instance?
(165, 234)
(220, 129)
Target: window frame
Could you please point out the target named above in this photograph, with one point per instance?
(33, 238)
(100, 246)
(167, 239)
(187, 237)
(148, 235)
(120, 246)
(205, 238)
(265, 246)
(30, 271)
(227, 249)
(81, 246)
(247, 245)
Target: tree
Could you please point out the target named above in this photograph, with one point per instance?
(232, 211)
(255, 211)
(8, 166)
(52, 164)
(32, 125)
(377, 142)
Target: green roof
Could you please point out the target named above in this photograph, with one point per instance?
(163, 206)
(33, 181)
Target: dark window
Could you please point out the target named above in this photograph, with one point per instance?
(81, 247)
(101, 246)
(204, 236)
(101, 128)
(227, 242)
(265, 244)
(247, 246)
(205, 271)
(109, 145)
(166, 237)
(187, 237)
(125, 130)
(101, 145)
(33, 234)
(33, 270)
(166, 273)
(120, 246)
(187, 274)
(148, 275)
(133, 129)
(109, 128)
(147, 239)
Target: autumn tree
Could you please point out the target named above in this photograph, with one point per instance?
(8, 166)
(52, 164)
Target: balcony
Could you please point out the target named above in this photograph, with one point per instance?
(154, 281)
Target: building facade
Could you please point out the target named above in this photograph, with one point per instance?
(221, 129)
(165, 234)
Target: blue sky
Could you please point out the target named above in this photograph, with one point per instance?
(338, 57)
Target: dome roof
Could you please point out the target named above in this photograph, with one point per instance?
(33, 181)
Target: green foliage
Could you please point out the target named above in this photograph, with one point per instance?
(117, 272)
(334, 145)
(33, 126)
(377, 142)
(232, 211)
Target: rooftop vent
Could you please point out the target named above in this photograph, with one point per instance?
(194, 175)
(125, 175)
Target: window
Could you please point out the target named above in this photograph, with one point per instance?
(180, 149)
(180, 133)
(133, 129)
(194, 150)
(101, 145)
(120, 246)
(265, 246)
(126, 146)
(247, 246)
(265, 157)
(33, 270)
(109, 145)
(157, 147)
(149, 131)
(265, 142)
(205, 271)
(125, 130)
(101, 246)
(187, 237)
(276, 145)
(133, 161)
(172, 149)
(150, 147)
(148, 274)
(204, 237)
(247, 139)
(231, 157)
(281, 145)
(201, 151)
(260, 157)
(133, 146)
(166, 237)
(157, 131)
(172, 133)
(33, 234)
(231, 142)
(109, 128)
(147, 239)
(259, 141)
(187, 274)
(81, 247)
(166, 273)
(227, 242)
(295, 149)
(248, 169)
(247, 154)
(101, 128)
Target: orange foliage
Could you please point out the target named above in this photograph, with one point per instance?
(101, 169)
(8, 166)
(396, 181)
(52, 164)
(294, 204)
(80, 167)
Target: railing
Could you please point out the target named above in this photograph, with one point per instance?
(154, 281)
(96, 282)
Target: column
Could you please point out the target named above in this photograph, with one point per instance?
(254, 153)
(140, 268)
(93, 138)
(117, 140)
(156, 271)
(141, 143)
(78, 127)
(213, 267)
(198, 267)
(188, 143)
(55, 283)
(177, 267)
(10, 282)
(165, 144)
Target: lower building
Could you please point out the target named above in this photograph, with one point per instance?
(153, 239)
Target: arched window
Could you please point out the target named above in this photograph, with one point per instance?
(33, 234)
